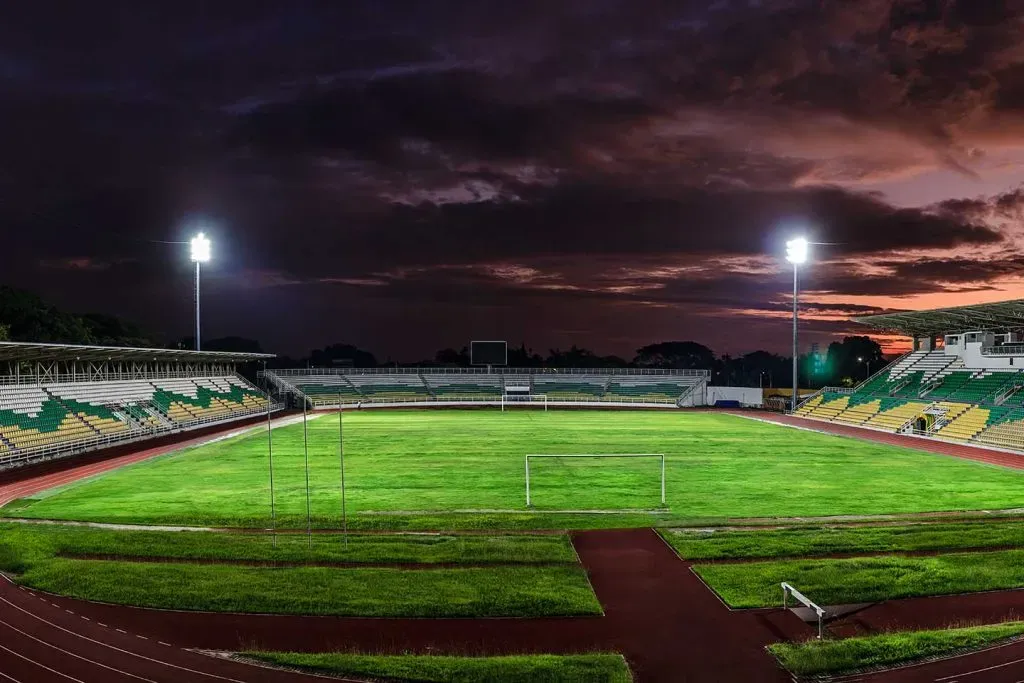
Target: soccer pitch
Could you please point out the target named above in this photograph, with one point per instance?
(461, 469)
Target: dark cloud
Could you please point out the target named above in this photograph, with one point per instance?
(365, 167)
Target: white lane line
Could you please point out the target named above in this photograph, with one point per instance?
(18, 654)
(952, 679)
(10, 678)
(114, 647)
(163, 643)
(67, 652)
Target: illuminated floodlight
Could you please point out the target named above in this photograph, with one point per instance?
(796, 250)
(200, 248)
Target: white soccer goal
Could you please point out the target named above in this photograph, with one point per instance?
(660, 456)
(523, 399)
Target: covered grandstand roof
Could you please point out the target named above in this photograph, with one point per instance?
(994, 316)
(18, 351)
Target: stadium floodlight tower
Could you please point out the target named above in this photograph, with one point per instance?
(200, 254)
(796, 253)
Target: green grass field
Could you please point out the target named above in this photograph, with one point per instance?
(431, 669)
(458, 469)
(504, 591)
(818, 657)
(717, 544)
(865, 579)
(25, 543)
(48, 557)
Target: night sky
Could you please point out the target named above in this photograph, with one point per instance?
(407, 176)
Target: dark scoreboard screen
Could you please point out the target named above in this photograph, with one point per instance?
(488, 353)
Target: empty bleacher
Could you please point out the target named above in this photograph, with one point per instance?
(569, 386)
(648, 388)
(415, 386)
(456, 385)
(979, 405)
(396, 386)
(53, 416)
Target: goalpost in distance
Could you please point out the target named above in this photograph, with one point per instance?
(660, 456)
(523, 399)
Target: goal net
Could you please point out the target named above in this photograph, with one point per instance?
(524, 400)
(659, 458)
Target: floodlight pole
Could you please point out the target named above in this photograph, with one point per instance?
(796, 358)
(796, 253)
(197, 305)
(200, 251)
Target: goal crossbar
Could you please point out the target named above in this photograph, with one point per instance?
(595, 455)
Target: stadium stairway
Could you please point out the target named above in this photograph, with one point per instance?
(859, 413)
(895, 413)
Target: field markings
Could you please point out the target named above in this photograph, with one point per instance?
(32, 661)
(72, 654)
(113, 647)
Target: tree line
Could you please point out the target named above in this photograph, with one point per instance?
(25, 317)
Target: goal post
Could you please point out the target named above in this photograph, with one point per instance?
(523, 399)
(660, 456)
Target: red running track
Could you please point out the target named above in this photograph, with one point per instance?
(658, 614)
(986, 455)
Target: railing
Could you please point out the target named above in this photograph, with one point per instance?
(293, 372)
(495, 400)
(788, 590)
(1003, 350)
(84, 378)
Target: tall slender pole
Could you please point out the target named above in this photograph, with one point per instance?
(197, 305)
(796, 359)
(305, 446)
(270, 459)
(663, 480)
(341, 457)
(527, 481)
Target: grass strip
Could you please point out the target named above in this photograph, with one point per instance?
(199, 545)
(817, 657)
(605, 668)
(707, 544)
(491, 592)
(865, 579)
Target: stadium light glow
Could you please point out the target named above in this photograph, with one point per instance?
(200, 248)
(200, 253)
(796, 250)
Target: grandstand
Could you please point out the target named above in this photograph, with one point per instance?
(58, 399)
(963, 381)
(415, 387)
